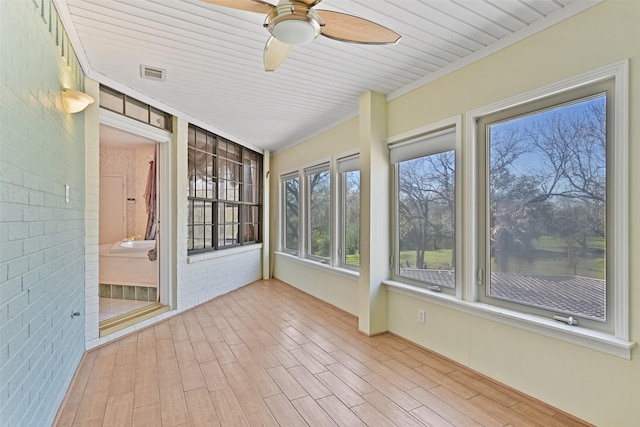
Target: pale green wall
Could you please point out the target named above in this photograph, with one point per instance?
(592, 385)
(41, 235)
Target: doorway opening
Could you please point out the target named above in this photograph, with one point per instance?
(129, 266)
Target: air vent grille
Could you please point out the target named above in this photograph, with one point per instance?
(152, 73)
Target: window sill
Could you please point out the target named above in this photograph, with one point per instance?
(594, 340)
(339, 271)
(206, 256)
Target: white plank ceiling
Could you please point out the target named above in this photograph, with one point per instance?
(213, 57)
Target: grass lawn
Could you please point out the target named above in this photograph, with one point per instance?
(436, 260)
(550, 257)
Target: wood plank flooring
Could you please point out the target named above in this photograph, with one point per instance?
(270, 355)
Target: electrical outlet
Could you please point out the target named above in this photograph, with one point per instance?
(421, 316)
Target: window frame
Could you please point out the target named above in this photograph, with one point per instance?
(548, 103)
(307, 172)
(616, 342)
(419, 140)
(283, 212)
(213, 149)
(333, 261)
(344, 165)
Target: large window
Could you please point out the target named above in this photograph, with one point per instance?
(318, 231)
(545, 172)
(425, 209)
(320, 212)
(224, 193)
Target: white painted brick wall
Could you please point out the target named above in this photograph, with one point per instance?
(41, 236)
(204, 280)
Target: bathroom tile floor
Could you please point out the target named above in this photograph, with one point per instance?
(111, 307)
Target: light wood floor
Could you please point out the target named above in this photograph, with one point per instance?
(267, 355)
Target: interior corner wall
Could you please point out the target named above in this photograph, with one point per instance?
(319, 281)
(600, 388)
(41, 236)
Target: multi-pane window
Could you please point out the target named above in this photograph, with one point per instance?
(123, 104)
(349, 202)
(425, 210)
(225, 183)
(291, 216)
(320, 221)
(318, 184)
(545, 229)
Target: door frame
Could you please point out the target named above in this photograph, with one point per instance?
(164, 178)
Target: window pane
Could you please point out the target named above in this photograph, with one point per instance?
(547, 206)
(227, 235)
(320, 214)
(426, 213)
(136, 110)
(291, 219)
(251, 232)
(191, 169)
(351, 245)
(201, 140)
(208, 236)
(198, 237)
(190, 238)
(111, 100)
(198, 212)
(160, 119)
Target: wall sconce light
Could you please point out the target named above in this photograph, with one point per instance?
(74, 101)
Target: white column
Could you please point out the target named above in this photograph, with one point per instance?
(266, 176)
(374, 213)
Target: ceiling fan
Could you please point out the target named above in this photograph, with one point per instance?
(293, 22)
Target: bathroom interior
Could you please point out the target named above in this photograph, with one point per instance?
(128, 266)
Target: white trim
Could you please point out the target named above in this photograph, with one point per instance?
(574, 334)
(621, 200)
(127, 124)
(166, 224)
(221, 253)
(338, 271)
(620, 247)
(566, 12)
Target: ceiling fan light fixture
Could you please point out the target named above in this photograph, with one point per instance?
(295, 32)
(293, 23)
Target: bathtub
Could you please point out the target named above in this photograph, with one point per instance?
(127, 263)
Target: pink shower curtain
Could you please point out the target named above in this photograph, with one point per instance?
(150, 199)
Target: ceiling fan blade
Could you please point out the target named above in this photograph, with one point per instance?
(274, 53)
(258, 6)
(349, 28)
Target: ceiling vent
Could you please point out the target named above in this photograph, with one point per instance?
(152, 73)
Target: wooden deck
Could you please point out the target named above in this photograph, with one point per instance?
(268, 355)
